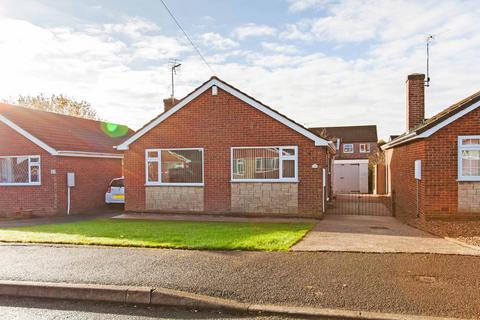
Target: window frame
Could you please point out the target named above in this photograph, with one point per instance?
(30, 165)
(461, 148)
(365, 147)
(280, 164)
(348, 144)
(158, 159)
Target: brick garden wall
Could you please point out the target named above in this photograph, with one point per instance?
(217, 123)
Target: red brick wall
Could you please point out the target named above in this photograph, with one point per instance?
(401, 168)
(41, 198)
(217, 123)
(439, 154)
(442, 165)
(92, 178)
(415, 100)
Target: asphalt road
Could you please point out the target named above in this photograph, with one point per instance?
(42, 309)
(440, 285)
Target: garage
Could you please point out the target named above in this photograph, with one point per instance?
(350, 176)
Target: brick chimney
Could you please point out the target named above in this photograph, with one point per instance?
(169, 103)
(415, 100)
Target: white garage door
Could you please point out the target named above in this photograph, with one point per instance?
(346, 177)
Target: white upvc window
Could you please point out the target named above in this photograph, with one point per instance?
(264, 164)
(348, 148)
(175, 166)
(469, 158)
(20, 171)
(365, 147)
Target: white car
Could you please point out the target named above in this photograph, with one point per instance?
(115, 192)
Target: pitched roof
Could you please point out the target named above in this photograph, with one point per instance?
(55, 132)
(367, 133)
(214, 81)
(438, 121)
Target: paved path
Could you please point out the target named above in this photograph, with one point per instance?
(43, 309)
(439, 285)
(208, 217)
(376, 234)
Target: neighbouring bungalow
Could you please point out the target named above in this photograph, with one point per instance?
(219, 150)
(39, 149)
(434, 167)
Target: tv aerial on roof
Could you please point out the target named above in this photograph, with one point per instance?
(428, 40)
(174, 65)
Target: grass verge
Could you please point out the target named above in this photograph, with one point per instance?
(164, 234)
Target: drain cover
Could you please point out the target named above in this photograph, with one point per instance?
(379, 228)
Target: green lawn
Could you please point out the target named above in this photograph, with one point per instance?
(165, 234)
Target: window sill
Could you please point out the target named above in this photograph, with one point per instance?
(264, 180)
(469, 179)
(174, 184)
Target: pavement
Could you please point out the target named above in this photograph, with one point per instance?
(417, 284)
(209, 218)
(376, 234)
(43, 309)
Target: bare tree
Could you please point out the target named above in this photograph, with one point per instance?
(59, 104)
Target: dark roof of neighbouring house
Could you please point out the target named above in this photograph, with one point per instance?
(367, 133)
(67, 133)
(435, 120)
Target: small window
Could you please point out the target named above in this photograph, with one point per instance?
(469, 158)
(20, 170)
(348, 148)
(365, 148)
(174, 167)
(264, 164)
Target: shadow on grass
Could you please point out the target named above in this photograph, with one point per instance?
(166, 234)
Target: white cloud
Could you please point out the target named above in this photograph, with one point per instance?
(280, 48)
(301, 5)
(217, 41)
(253, 30)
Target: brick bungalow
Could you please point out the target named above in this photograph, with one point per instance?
(219, 150)
(445, 150)
(38, 148)
(355, 144)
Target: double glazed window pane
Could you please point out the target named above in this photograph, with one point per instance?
(175, 166)
(471, 163)
(181, 166)
(256, 163)
(19, 170)
(264, 163)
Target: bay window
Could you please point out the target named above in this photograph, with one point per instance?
(20, 170)
(469, 158)
(174, 166)
(264, 164)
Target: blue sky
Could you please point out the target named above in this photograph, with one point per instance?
(321, 62)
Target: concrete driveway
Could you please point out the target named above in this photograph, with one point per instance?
(376, 234)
